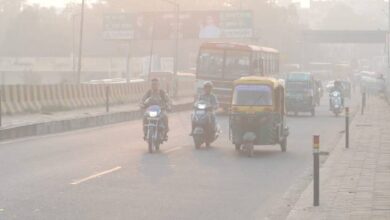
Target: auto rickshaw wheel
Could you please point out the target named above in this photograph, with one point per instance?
(238, 147)
(283, 145)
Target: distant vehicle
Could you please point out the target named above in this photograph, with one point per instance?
(301, 93)
(222, 63)
(336, 103)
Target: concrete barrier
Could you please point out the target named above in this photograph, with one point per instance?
(19, 99)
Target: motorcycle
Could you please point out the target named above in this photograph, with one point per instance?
(336, 104)
(204, 132)
(155, 129)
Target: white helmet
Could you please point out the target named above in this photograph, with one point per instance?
(208, 84)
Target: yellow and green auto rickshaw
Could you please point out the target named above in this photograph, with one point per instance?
(257, 115)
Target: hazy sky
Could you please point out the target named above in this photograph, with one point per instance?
(56, 3)
(62, 3)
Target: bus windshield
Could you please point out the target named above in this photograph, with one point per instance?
(210, 63)
(252, 95)
(237, 64)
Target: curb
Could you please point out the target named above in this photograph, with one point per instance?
(77, 123)
(290, 197)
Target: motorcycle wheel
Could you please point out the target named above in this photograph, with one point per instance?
(197, 141)
(238, 147)
(150, 145)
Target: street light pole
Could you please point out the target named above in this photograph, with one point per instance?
(74, 43)
(176, 55)
(81, 42)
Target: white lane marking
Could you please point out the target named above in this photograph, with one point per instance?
(95, 175)
(172, 150)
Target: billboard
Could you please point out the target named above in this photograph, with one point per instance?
(192, 25)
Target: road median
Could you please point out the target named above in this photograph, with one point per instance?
(78, 121)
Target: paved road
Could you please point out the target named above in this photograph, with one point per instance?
(106, 173)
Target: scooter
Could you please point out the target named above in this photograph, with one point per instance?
(203, 131)
(336, 104)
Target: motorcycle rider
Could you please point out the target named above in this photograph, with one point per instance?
(209, 97)
(160, 98)
(337, 86)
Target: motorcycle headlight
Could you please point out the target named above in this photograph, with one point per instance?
(153, 114)
(202, 106)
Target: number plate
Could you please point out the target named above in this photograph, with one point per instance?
(200, 112)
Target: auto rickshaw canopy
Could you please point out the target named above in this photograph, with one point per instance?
(261, 80)
(278, 103)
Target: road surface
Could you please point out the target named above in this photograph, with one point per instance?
(106, 173)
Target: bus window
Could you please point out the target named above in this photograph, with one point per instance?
(237, 64)
(257, 63)
(266, 64)
(210, 63)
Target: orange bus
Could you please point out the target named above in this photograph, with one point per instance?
(222, 63)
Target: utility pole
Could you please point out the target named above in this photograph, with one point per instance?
(177, 38)
(176, 55)
(151, 52)
(74, 43)
(388, 54)
(388, 35)
(128, 58)
(81, 42)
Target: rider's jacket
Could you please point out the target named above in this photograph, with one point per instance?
(159, 98)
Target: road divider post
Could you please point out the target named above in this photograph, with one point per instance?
(347, 127)
(1, 109)
(316, 169)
